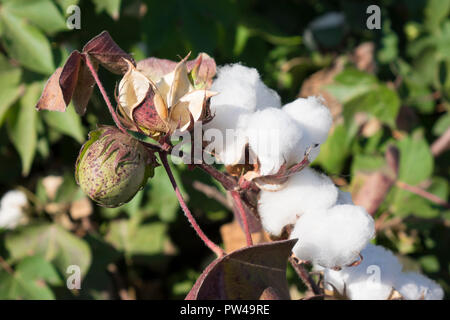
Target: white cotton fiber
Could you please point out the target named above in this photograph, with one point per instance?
(227, 129)
(313, 115)
(11, 209)
(415, 286)
(241, 86)
(372, 279)
(236, 86)
(333, 237)
(275, 138)
(306, 191)
(266, 97)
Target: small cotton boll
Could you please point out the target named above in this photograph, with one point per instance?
(306, 191)
(13, 198)
(227, 130)
(236, 86)
(10, 217)
(415, 286)
(275, 138)
(333, 237)
(313, 115)
(11, 209)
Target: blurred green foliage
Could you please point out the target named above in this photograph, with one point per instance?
(147, 246)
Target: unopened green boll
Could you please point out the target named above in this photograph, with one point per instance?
(113, 166)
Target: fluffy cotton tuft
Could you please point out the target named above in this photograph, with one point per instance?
(276, 139)
(313, 115)
(333, 237)
(11, 209)
(242, 87)
(306, 191)
(227, 129)
(373, 279)
(414, 286)
(266, 97)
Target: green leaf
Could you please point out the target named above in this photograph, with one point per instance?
(42, 13)
(404, 203)
(382, 102)
(336, 149)
(135, 239)
(112, 7)
(351, 83)
(163, 200)
(22, 126)
(10, 88)
(435, 12)
(52, 242)
(441, 125)
(68, 123)
(366, 163)
(416, 160)
(26, 43)
(36, 267)
(18, 286)
(64, 4)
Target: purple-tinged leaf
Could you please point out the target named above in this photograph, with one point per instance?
(251, 273)
(106, 52)
(52, 97)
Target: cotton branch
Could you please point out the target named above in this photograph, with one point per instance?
(423, 193)
(104, 94)
(441, 144)
(210, 244)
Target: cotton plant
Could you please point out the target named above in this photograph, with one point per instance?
(266, 167)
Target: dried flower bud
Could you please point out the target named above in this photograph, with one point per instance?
(159, 107)
(112, 166)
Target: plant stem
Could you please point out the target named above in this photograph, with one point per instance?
(238, 201)
(104, 94)
(214, 247)
(304, 275)
(227, 182)
(6, 266)
(423, 193)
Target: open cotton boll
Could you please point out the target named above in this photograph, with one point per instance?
(313, 115)
(306, 191)
(236, 85)
(226, 132)
(372, 279)
(333, 237)
(11, 209)
(275, 138)
(266, 97)
(415, 286)
(14, 198)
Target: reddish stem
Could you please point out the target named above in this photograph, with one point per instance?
(423, 193)
(104, 94)
(229, 183)
(305, 276)
(214, 247)
(238, 201)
